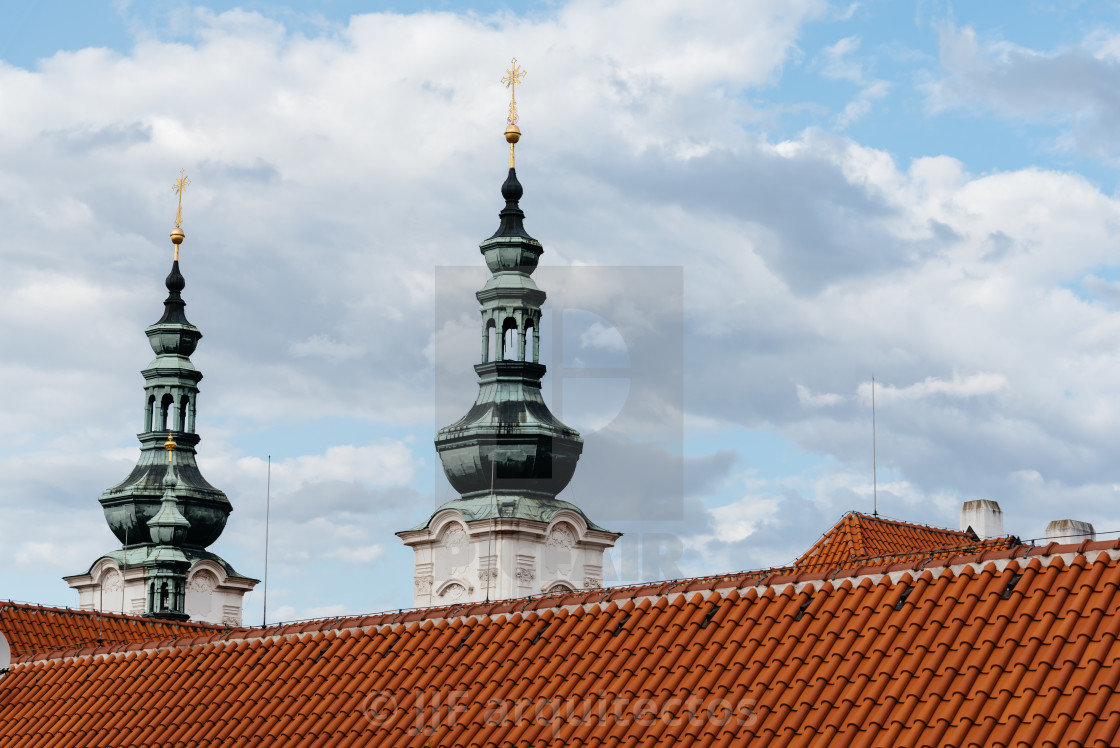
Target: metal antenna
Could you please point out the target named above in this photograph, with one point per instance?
(123, 567)
(101, 610)
(267, 511)
(493, 511)
(874, 460)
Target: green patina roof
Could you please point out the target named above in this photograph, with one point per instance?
(142, 555)
(509, 507)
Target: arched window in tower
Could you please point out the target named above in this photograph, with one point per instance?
(163, 597)
(490, 354)
(531, 351)
(509, 339)
(181, 422)
(149, 413)
(165, 412)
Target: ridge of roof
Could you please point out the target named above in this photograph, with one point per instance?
(861, 536)
(776, 579)
(41, 607)
(33, 629)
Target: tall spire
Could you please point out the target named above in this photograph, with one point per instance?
(509, 444)
(508, 534)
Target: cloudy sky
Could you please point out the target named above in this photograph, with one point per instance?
(748, 210)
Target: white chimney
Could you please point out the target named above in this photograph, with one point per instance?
(1069, 531)
(984, 517)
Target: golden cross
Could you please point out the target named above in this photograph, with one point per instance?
(180, 184)
(512, 78)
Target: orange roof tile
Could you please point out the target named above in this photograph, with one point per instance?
(38, 628)
(1018, 646)
(862, 539)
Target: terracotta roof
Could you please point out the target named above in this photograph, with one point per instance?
(859, 539)
(38, 628)
(1004, 647)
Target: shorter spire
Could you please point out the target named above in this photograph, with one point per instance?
(169, 526)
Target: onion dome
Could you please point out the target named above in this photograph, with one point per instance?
(509, 454)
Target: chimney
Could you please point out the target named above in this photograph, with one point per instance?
(1069, 531)
(984, 517)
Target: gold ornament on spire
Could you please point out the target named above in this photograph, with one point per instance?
(169, 445)
(177, 234)
(513, 132)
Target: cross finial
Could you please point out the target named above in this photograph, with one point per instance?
(512, 78)
(177, 234)
(180, 185)
(513, 132)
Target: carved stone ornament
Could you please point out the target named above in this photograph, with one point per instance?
(454, 539)
(112, 581)
(231, 615)
(591, 583)
(561, 537)
(424, 585)
(203, 583)
(525, 576)
(487, 574)
(453, 592)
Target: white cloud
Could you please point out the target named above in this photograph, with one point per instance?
(357, 556)
(860, 106)
(837, 62)
(817, 400)
(389, 463)
(326, 347)
(1067, 86)
(974, 385)
(600, 336)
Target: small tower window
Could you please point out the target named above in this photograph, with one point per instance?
(531, 352)
(509, 339)
(165, 413)
(491, 342)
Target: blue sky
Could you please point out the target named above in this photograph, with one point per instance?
(898, 42)
(922, 190)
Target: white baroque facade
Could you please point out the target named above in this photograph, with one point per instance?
(501, 558)
(213, 595)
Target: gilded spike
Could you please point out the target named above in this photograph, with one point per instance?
(513, 132)
(177, 234)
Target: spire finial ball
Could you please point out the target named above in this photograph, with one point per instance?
(513, 134)
(177, 236)
(169, 445)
